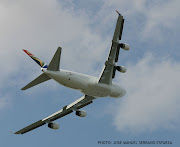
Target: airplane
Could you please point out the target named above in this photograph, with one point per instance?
(91, 87)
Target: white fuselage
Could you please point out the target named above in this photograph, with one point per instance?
(86, 84)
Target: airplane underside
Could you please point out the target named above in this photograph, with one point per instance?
(86, 84)
(91, 87)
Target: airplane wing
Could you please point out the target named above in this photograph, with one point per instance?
(78, 104)
(109, 69)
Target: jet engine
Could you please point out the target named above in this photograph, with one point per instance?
(81, 113)
(53, 125)
(121, 69)
(124, 46)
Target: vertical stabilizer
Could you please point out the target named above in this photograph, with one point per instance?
(38, 61)
(53, 66)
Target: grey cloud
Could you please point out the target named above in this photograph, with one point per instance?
(153, 20)
(152, 100)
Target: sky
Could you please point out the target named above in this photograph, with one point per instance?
(150, 111)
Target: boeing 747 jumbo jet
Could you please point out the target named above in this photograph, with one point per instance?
(91, 87)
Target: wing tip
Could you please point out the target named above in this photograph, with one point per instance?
(24, 88)
(11, 132)
(17, 133)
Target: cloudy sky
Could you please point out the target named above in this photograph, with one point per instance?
(84, 28)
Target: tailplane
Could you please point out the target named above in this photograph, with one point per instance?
(53, 66)
(42, 78)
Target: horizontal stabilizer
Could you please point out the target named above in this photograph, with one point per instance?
(54, 64)
(42, 78)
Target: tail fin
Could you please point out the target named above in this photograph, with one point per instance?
(53, 66)
(38, 61)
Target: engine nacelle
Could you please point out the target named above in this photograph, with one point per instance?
(125, 46)
(81, 113)
(121, 69)
(53, 125)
